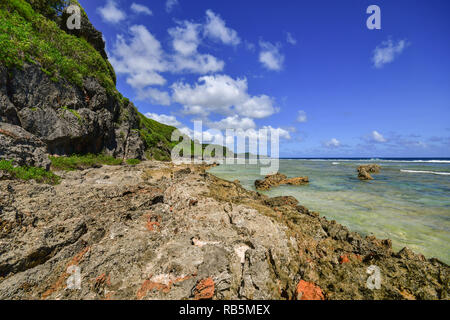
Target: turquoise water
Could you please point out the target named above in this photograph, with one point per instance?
(408, 202)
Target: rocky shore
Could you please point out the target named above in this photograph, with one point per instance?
(278, 179)
(161, 231)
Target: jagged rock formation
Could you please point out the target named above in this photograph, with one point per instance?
(277, 179)
(365, 171)
(159, 231)
(67, 99)
(22, 147)
(67, 119)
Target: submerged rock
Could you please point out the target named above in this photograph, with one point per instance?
(277, 179)
(365, 171)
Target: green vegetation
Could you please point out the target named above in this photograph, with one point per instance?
(40, 175)
(26, 35)
(75, 113)
(133, 162)
(80, 162)
(30, 32)
(157, 138)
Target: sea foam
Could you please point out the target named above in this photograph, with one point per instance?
(429, 172)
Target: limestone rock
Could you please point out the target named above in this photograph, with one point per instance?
(23, 148)
(364, 172)
(161, 231)
(277, 179)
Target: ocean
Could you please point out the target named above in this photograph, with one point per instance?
(408, 202)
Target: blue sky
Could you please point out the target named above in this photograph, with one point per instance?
(311, 70)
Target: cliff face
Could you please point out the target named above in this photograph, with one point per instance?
(59, 86)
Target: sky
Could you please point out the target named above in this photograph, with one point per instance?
(310, 70)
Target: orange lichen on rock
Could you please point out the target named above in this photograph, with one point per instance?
(152, 224)
(60, 283)
(149, 285)
(103, 279)
(344, 259)
(308, 291)
(204, 289)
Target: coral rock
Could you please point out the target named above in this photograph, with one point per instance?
(204, 289)
(308, 291)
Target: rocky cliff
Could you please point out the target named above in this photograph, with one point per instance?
(58, 86)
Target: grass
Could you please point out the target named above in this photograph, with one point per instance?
(81, 162)
(133, 162)
(40, 175)
(27, 36)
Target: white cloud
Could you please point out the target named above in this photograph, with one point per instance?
(155, 96)
(185, 38)
(141, 58)
(302, 116)
(170, 4)
(257, 107)
(270, 56)
(387, 52)
(199, 63)
(333, 143)
(224, 95)
(163, 118)
(378, 137)
(290, 39)
(111, 13)
(233, 122)
(139, 8)
(185, 41)
(283, 134)
(217, 93)
(215, 29)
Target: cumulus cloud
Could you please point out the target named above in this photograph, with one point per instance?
(216, 29)
(185, 38)
(154, 95)
(302, 116)
(170, 4)
(141, 58)
(233, 122)
(111, 13)
(333, 143)
(163, 118)
(282, 133)
(257, 107)
(224, 95)
(270, 56)
(139, 8)
(185, 41)
(377, 137)
(387, 52)
(290, 39)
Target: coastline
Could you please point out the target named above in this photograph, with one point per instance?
(160, 231)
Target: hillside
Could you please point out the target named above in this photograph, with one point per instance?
(57, 89)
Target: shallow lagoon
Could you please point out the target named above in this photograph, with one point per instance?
(408, 202)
